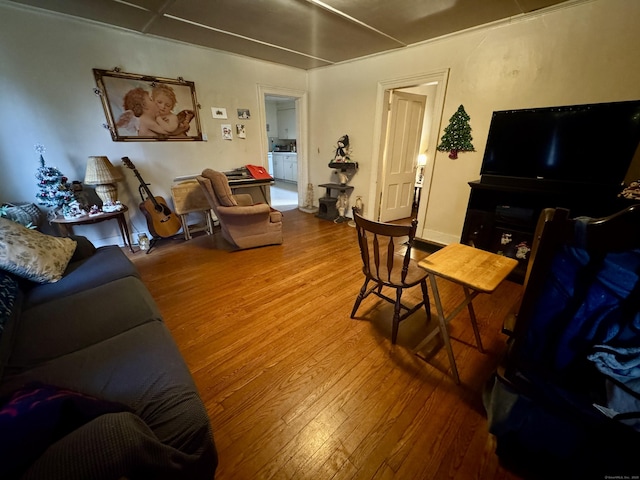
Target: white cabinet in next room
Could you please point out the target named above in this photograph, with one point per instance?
(287, 124)
(291, 167)
(285, 166)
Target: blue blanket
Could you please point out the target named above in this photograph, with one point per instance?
(621, 366)
(586, 301)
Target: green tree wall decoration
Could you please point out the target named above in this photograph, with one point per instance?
(457, 136)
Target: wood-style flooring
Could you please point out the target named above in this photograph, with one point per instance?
(296, 389)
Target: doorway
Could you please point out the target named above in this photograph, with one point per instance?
(284, 140)
(403, 136)
(433, 87)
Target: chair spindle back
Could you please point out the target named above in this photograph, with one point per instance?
(378, 242)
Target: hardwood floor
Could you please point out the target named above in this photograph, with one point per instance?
(295, 389)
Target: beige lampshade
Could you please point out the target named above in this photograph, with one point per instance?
(101, 173)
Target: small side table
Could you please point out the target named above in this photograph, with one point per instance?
(477, 271)
(65, 226)
(189, 198)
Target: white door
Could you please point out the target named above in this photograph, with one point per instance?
(402, 146)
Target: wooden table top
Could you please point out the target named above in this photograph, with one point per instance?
(471, 267)
(89, 219)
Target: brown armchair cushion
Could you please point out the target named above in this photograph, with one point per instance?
(220, 187)
(275, 216)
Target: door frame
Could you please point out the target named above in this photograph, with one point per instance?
(378, 172)
(301, 102)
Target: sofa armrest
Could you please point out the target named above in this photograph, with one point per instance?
(84, 248)
(118, 445)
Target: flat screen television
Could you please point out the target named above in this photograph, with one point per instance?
(589, 144)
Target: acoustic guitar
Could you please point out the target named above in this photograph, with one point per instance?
(162, 222)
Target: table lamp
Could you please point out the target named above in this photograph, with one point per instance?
(422, 162)
(103, 175)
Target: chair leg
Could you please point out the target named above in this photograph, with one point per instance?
(360, 297)
(425, 298)
(396, 316)
(443, 329)
(474, 323)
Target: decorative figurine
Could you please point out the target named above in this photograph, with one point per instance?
(522, 250)
(342, 161)
(343, 177)
(143, 241)
(73, 210)
(309, 198)
(109, 207)
(94, 211)
(342, 152)
(341, 205)
(632, 192)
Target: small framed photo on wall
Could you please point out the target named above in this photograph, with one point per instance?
(219, 112)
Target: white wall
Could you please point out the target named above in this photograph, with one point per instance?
(46, 85)
(585, 53)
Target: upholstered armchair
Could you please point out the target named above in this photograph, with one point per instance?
(243, 223)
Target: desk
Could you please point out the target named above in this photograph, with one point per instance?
(239, 179)
(477, 271)
(65, 226)
(261, 185)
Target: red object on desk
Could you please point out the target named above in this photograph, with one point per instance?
(259, 173)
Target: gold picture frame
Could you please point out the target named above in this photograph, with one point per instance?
(142, 108)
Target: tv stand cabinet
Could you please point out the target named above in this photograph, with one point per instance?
(501, 216)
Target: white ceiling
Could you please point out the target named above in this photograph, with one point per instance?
(300, 33)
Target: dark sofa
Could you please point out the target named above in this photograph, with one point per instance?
(92, 385)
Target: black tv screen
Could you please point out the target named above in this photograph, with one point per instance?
(591, 144)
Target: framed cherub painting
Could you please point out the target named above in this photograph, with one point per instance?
(144, 108)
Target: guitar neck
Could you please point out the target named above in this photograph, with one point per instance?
(146, 188)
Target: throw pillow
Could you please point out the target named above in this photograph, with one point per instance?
(33, 255)
(221, 188)
(38, 415)
(8, 296)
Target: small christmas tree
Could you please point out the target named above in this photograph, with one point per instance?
(457, 136)
(55, 191)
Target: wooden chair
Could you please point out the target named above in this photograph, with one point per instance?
(386, 268)
(581, 298)
(555, 229)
